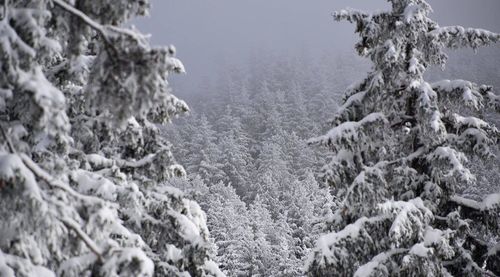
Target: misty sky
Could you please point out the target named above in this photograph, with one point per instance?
(209, 34)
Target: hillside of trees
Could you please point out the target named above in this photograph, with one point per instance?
(375, 164)
(246, 136)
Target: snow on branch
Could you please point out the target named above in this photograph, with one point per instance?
(351, 15)
(448, 163)
(348, 134)
(464, 91)
(371, 267)
(10, 263)
(490, 202)
(328, 242)
(98, 161)
(47, 178)
(410, 219)
(458, 36)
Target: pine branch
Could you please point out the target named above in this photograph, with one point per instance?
(490, 202)
(380, 259)
(41, 174)
(458, 36)
(351, 15)
(102, 162)
(47, 178)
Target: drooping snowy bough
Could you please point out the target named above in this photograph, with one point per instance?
(82, 164)
(400, 147)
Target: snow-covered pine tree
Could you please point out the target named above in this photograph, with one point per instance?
(400, 146)
(82, 165)
(235, 157)
(229, 221)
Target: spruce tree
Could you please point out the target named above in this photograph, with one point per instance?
(83, 167)
(400, 148)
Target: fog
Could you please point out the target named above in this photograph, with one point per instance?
(212, 34)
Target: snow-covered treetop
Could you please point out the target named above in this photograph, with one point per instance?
(401, 146)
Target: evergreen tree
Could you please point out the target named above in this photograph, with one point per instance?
(200, 152)
(400, 147)
(235, 159)
(82, 164)
(229, 221)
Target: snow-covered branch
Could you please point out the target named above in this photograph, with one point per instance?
(71, 224)
(370, 268)
(458, 36)
(489, 203)
(97, 161)
(351, 15)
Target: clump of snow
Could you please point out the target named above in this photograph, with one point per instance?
(411, 217)
(420, 250)
(94, 184)
(13, 168)
(348, 131)
(326, 242)
(490, 202)
(369, 268)
(136, 261)
(173, 253)
(212, 268)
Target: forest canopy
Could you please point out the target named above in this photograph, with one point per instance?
(280, 167)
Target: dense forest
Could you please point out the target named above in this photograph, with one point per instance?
(247, 136)
(382, 161)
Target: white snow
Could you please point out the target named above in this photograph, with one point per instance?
(128, 255)
(369, 268)
(174, 254)
(420, 250)
(213, 268)
(354, 99)
(187, 228)
(410, 217)
(469, 121)
(454, 158)
(12, 168)
(92, 183)
(328, 241)
(436, 122)
(348, 130)
(432, 236)
(411, 12)
(490, 202)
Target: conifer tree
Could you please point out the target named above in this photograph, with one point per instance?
(229, 222)
(83, 167)
(400, 145)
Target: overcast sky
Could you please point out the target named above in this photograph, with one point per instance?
(211, 33)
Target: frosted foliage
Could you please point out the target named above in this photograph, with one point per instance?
(82, 164)
(401, 148)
